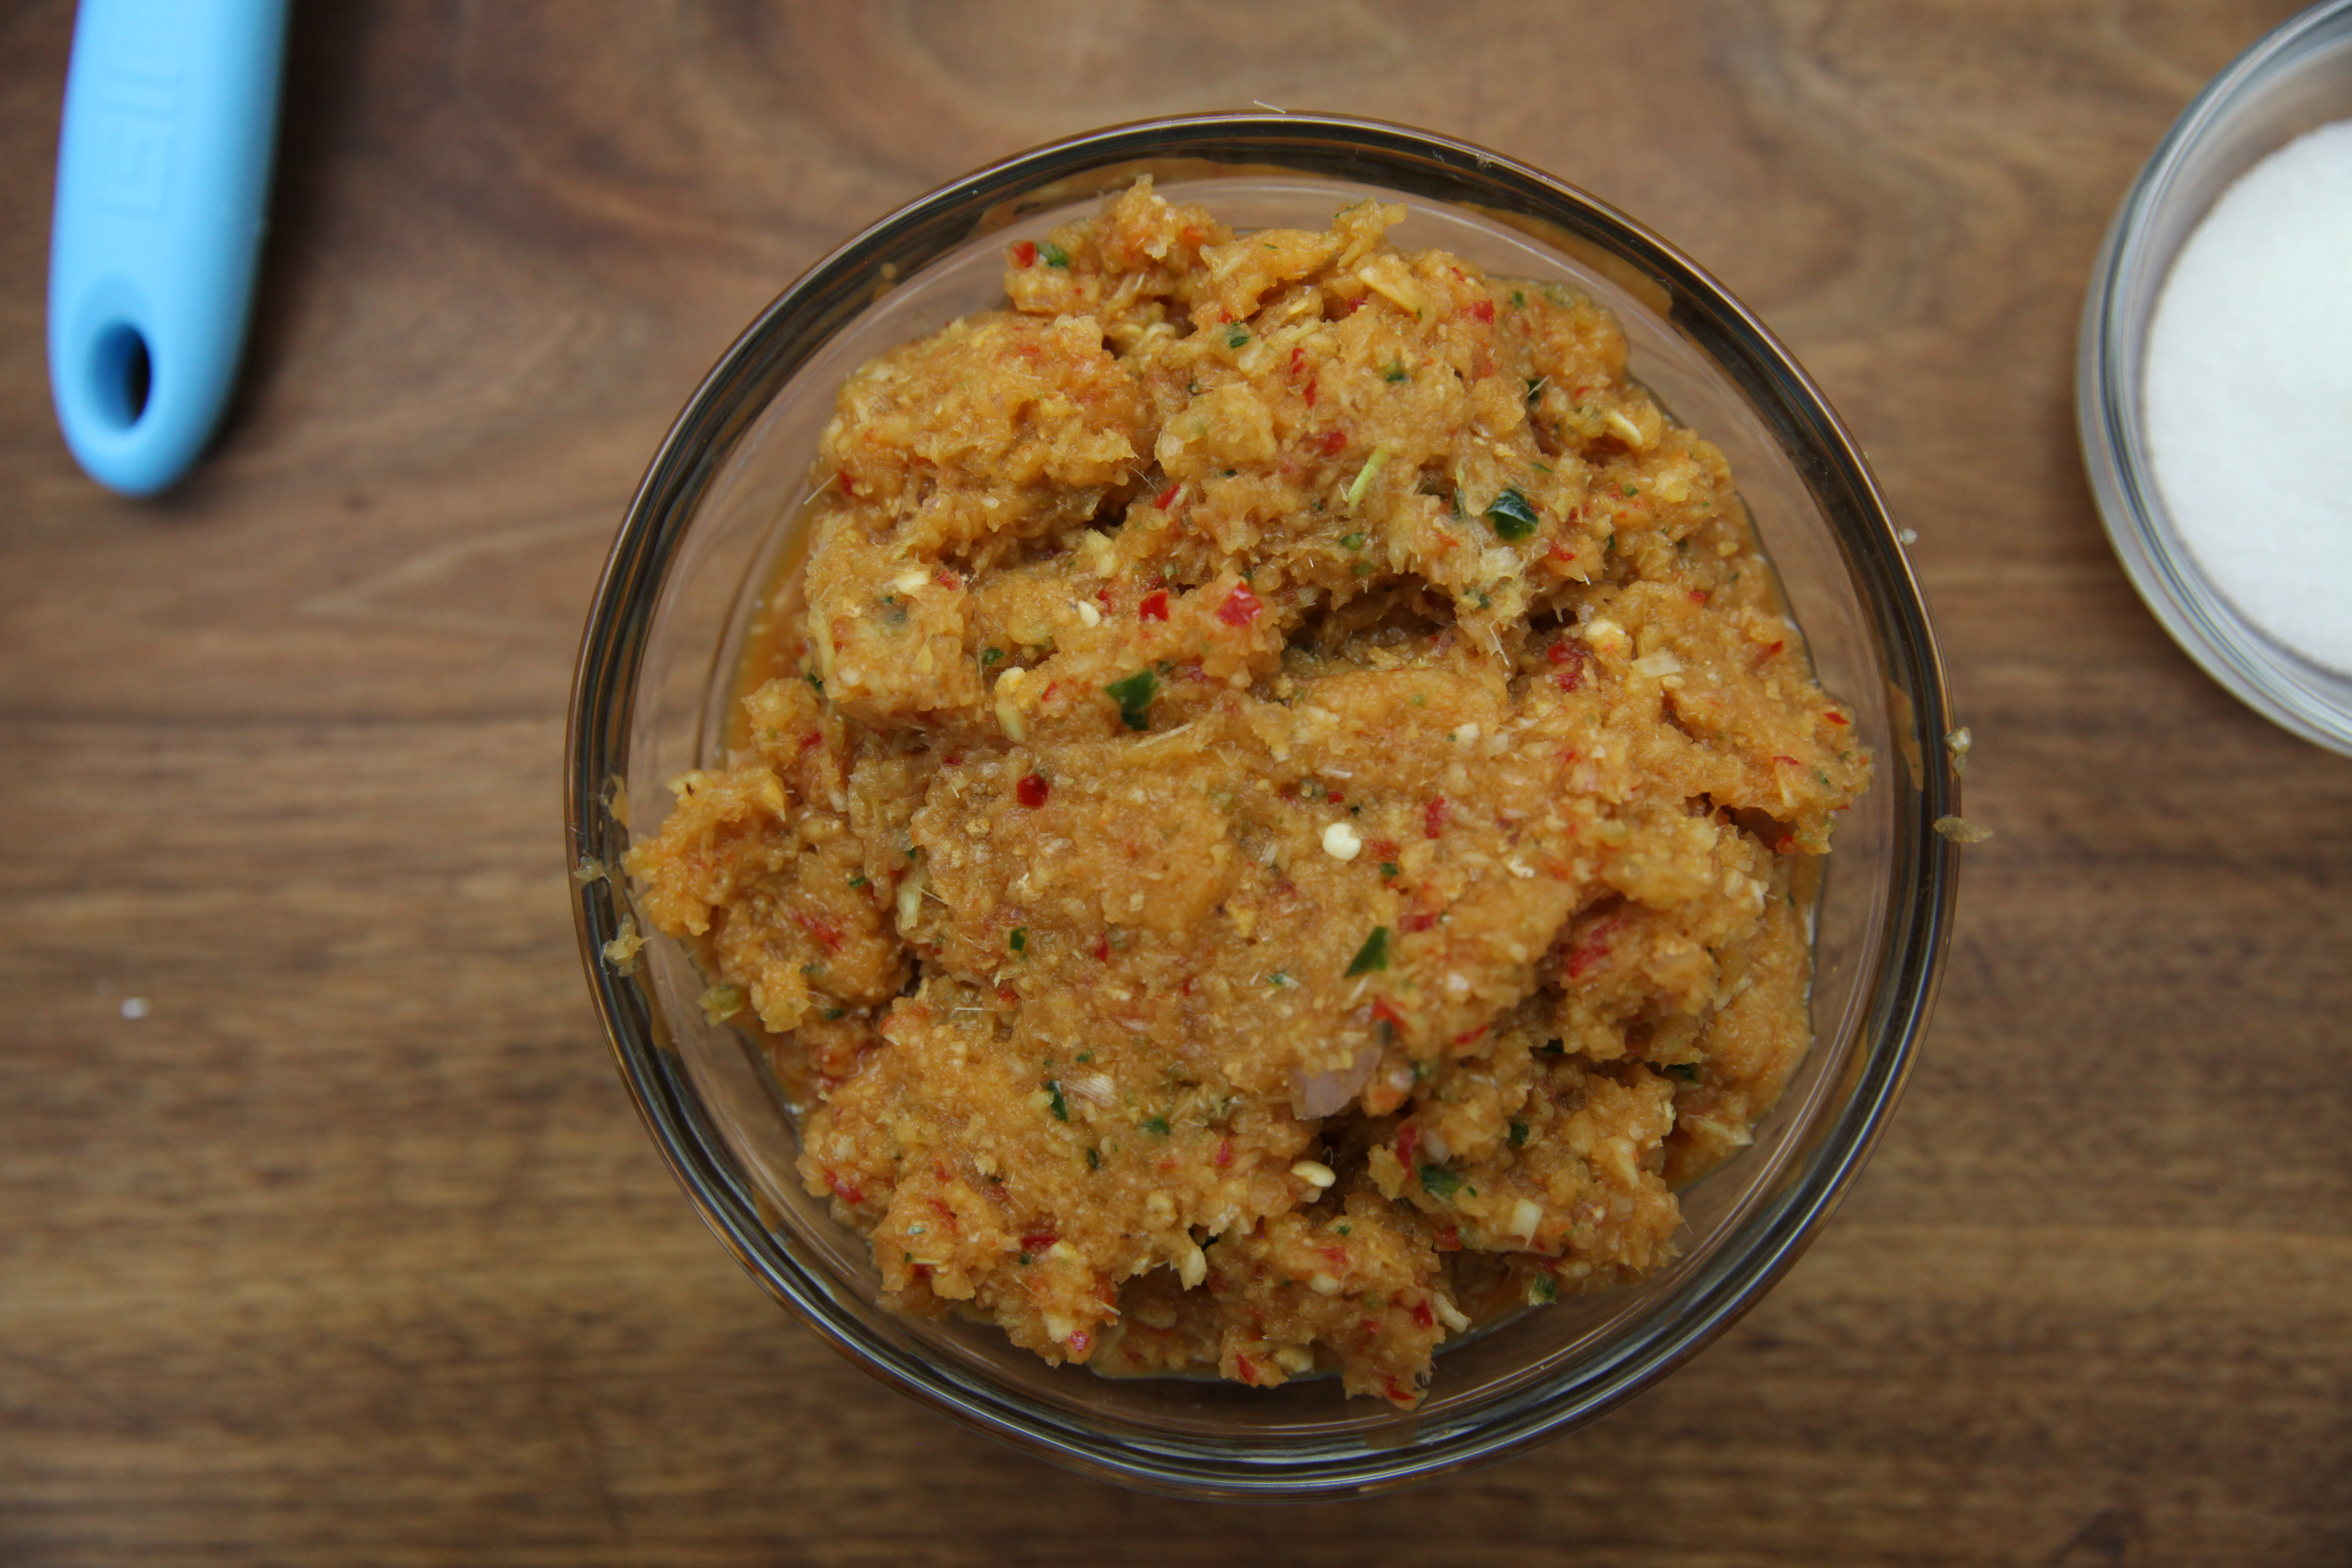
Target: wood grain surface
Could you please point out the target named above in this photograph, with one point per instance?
(351, 1249)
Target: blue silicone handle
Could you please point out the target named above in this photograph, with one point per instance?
(162, 188)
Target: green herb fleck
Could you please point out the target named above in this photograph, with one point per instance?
(1094, 1161)
(1372, 955)
(814, 683)
(990, 656)
(1020, 939)
(1156, 1124)
(1632, 490)
(1351, 541)
(1396, 372)
(1343, 1228)
(1367, 474)
(1535, 386)
(1084, 1057)
(1061, 1106)
(1518, 1134)
(1519, 298)
(857, 880)
(1543, 1289)
(1134, 696)
(1052, 254)
(1512, 516)
(1278, 980)
(721, 1002)
(1438, 1181)
(833, 1015)
(1237, 337)
(1391, 869)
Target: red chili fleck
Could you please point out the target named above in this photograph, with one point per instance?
(847, 1192)
(1351, 306)
(1039, 1240)
(1025, 254)
(1187, 987)
(1418, 921)
(1385, 848)
(1311, 381)
(1408, 1143)
(1834, 716)
(1080, 1341)
(1009, 996)
(1298, 360)
(922, 1271)
(1698, 596)
(1032, 790)
(1102, 949)
(813, 739)
(1432, 817)
(1168, 495)
(1450, 1239)
(1424, 1316)
(1332, 442)
(1466, 1035)
(951, 760)
(1484, 309)
(1153, 607)
(1398, 1393)
(1335, 798)
(1785, 845)
(1241, 608)
(1591, 950)
(1247, 1369)
(1766, 652)
(823, 932)
(846, 488)
(1224, 1154)
(1570, 660)
(1789, 762)
(1386, 1014)
(947, 580)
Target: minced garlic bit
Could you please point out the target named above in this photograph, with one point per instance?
(1960, 830)
(621, 953)
(1314, 1172)
(1341, 843)
(1008, 710)
(1958, 743)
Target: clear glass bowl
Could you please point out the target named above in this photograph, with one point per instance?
(2295, 79)
(715, 515)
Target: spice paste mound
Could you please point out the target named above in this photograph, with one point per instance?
(1280, 824)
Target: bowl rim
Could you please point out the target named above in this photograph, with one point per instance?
(2203, 623)
(1923, 872)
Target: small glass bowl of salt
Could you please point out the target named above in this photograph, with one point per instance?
(2213, 381)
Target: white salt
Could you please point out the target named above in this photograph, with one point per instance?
(2248, 395)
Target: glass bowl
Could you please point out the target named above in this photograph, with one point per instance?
(2295, 79)
(716, 514)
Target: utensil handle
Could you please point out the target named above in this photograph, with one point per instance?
(163, 160)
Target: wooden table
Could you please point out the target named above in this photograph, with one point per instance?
(350, 1247)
